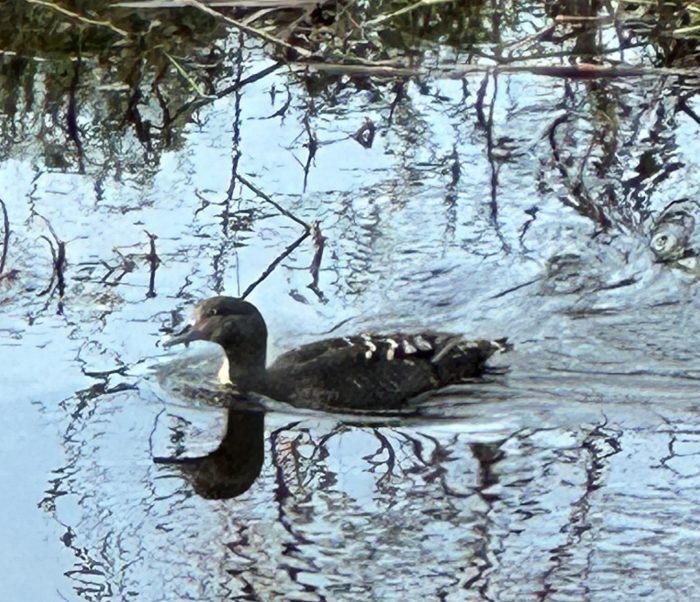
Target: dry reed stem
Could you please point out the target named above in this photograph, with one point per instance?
(79, 17)
(247, 28)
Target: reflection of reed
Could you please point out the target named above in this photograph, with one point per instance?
(493, 497)
(153, 263)
(306, 459)
(58, 257)
(5, 237)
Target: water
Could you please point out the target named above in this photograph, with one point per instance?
(572, 475)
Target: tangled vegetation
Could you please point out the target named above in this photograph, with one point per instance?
(75, 71)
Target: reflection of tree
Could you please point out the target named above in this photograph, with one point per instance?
(69, 85)
(614, 151)
(445, 511)
(105, 89)
(360, 510)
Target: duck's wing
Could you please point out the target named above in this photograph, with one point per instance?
(312, 351)
(369, 371)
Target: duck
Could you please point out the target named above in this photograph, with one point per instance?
(360, 372)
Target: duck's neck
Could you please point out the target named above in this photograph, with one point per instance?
(246, 371)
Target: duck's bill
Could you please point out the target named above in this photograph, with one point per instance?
(188, 334)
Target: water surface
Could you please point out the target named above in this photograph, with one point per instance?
(492, 204)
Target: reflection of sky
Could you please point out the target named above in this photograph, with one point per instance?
(398, 255)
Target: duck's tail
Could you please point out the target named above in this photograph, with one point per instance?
(460, 358)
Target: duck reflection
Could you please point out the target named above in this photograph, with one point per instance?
(233, 466)
(312, 455)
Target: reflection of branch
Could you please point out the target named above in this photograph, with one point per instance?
(385, 446)
(276, 205)
(492, 163)
(581, 200)
(552, 139)
(320, 242)
(285, 107)
(282, 492)
(154, 262)
(126, 266)
(683, 106)
(201, 102)
(479, 104)
(312, 145)
(219, 259)
(58, 260)
(5, 235)
(72, 114)
(450, 201)
(399, 94)
(60, 266)
(53, 270)
(275, 263)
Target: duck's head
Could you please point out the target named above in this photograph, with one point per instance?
(234, 324)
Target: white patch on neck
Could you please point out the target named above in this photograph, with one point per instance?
(223, 374)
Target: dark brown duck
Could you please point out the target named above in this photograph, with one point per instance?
(358, 372)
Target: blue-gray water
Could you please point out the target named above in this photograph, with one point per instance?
(571, 476)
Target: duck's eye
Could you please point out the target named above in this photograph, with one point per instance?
(213, 312)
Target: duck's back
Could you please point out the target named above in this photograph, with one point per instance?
(369, 371)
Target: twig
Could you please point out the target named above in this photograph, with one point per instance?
(538, 35)
(404, 10)
(250, 79)
(193, 84)
(247, 29)
(512, 289)
(456, 71)
(282, 4)
(69, 13)
(600, 19)
(201, 102)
